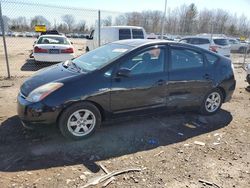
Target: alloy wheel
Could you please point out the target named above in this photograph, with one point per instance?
(81, 122)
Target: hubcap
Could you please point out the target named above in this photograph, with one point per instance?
(81, 122)
(213, 102)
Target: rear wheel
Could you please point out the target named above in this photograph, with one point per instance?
(79, 121)
(212, 102)
(242, 49)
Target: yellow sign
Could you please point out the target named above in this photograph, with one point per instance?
(242, 38)
(40, 28)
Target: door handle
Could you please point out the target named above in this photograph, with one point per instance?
(206, 76)
(160, 82)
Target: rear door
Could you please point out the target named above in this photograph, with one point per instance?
(189, 77)
(145, 87)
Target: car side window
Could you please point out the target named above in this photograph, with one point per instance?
(124, 34)
(137, 33)
(211, 58)
(146, 62)
(182, 58)
(199, 41)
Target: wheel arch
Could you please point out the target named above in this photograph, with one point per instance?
(98, 106)
(223, 92)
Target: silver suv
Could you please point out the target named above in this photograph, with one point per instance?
(218, 45)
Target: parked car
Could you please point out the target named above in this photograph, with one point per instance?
(114, 33)
(125, 77)
(237, 46)
(53, 48)
(218, 45)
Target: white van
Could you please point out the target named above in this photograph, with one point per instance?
(114, 33)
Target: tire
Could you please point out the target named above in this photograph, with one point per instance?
(242, 49)
(212, 105)
(79, 121)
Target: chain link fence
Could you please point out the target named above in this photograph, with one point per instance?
(20, 17)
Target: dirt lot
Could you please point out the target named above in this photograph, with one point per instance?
(164, 146)
(19, 49)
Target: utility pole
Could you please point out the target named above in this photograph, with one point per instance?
(4, 41)
(163, 20)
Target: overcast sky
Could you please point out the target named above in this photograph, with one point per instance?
(53, 14)
(233, 6)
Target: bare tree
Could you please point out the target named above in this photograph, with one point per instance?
(39, 20)
(69, 20)
(121, 20)
(19, 24)
(81, 26)
(107, 21)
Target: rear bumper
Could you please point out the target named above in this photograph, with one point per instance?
(230, 90)
(33, 114)
(45, 57)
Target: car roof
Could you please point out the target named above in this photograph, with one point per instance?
(143, 42)
(123, 27)
(140, 42)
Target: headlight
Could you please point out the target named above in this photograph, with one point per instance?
(43, 91)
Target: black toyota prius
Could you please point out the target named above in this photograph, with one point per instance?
(123, 77)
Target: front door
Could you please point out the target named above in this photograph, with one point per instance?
(145, 86)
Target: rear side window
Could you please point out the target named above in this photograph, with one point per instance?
(52, 40)
(221, 42)
(199, 41)
(182, 58)
(124, 34)
(137, 34)
(211, 58)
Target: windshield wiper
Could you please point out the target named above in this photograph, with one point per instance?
(72, 65)
(76, 67)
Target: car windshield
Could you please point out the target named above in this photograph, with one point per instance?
(222, 42)
(52, 40)
(101, 56)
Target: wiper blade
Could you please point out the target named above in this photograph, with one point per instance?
(76, 67)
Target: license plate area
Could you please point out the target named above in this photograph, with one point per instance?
(54, 51)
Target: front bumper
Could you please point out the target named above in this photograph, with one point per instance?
(33, 114)
(230, 90)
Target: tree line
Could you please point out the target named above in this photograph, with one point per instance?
(183, 20)
(187, 20)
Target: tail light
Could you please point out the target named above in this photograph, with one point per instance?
(214, 48)
(68, 50)
(40, 50)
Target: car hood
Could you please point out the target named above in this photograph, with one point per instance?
(50, 74)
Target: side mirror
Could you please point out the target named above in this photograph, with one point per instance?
(124, 72)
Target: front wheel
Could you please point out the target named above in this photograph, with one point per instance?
(212, 102)
(79, 121)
